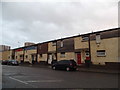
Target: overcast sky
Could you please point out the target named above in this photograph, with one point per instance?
(43, 21)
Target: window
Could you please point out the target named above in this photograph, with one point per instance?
(26, 56)
(61, 44)
(62, 55)
(21, 56)
(98, 39)
(9, 57)
(85, 38)
(53, 43)
(101, 53)
(87, 53)
(39, 47)
(40, 55)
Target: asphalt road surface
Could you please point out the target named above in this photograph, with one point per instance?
(0, 76)
(34, 77)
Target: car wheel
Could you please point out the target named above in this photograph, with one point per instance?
(68, 69)
(54, 68)
(75, 69)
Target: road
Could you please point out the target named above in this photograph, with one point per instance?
(0, 76)
(43, 77)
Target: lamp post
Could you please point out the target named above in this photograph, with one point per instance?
(88, 60)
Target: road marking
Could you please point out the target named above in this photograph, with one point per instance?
(45, 81)
(18, 80)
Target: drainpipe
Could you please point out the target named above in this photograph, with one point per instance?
(89, 47)
(37, 54)
(23, 54)
(47, 52)
(56, 49)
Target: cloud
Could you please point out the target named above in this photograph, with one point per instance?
(43, 21)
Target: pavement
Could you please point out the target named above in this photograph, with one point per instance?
(109, 71)
(83, 69)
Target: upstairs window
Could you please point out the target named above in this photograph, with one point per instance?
(85, 38)
(98, 39)
(61, 44)
(53, 43)
(40, 47)
(101, 53)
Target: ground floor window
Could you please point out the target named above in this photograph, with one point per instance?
(62, 54)
(101, 53)
(26, 56)
(21, 56)
(16, 57)
(9, 57)
(87, 53)
(40, 55)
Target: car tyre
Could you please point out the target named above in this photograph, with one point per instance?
(68, 69)
(53, 67)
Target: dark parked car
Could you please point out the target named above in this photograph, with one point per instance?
(13, 62)
(4, 62)
(53, 61)
(65, 65)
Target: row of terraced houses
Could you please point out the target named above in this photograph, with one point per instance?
(100, 47)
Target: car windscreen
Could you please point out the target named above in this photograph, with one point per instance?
(73, 62)
(12, 60)
(64, 62)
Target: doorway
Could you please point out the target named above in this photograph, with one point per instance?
(50, 57)
(21, 58)
(33, 58)
(78, 56)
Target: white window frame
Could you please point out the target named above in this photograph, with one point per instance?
(98, 39)
(101, 53)
(53, 43)
(61, 44)
(85, 38)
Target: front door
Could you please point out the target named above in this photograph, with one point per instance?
(50, 59)
(21, 58)
(33, 59)
(78, 58)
